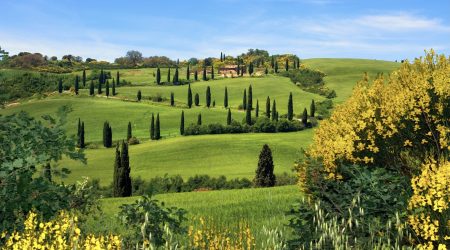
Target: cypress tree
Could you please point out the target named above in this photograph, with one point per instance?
(242, 71)
(175, 76)
(117, 78)
(212, 72)
(139, 95)
(152, 128)
(238, 68)
(312, 109)
(204, 73)
(266, 71)
(272, 62)
(76, 85)
(294, 62)
(225, 99)
(274, 111)
(168, 75)
(107, 88)
(290, 113)
(107, 135)
(102, 77)
(199, 119)
(229, 117)
(188, 73)
(268, 107)
(78, 132)
(99, 90)
(224, 56)
(305, 117)
(125, 180)
(276, 66)
(244, 100)
(91, 88)
(257, 108)
(197, 99)
(250, 68)
(182, 123)
(287, 64)
(60, 86)
(196, 75)
(158, 76)
(221, 59)
(298, 63)
(264, 173)
(178, 62)
(157, 128)
(172, 99)
(248, 116)
(84, 78)
(129, 134)
(250, 98)
(208, 96)
(113, 87)
(189, 96)
(116, 173)
(81, 144)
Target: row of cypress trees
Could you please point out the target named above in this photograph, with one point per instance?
(102, 80)
(155, 129)
(176, 79)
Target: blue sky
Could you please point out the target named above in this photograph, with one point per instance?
(183, 29)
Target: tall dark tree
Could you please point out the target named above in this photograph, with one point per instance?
(139, 95)
(312, 109)
(182, 123)
(248, 116)
(264, 173)
(225, 98)
(290, 113)
(152, 127)
(305, 117)
(172, 99)
(238, 69)
(272, 62)
(99, 90)
(199, 119)
(276, 67)
(60, 86)
(212, 72)
(274, 110)
(244, 100)
(188, 73)
(229, 117)
(196, 75)
(157, 128)
(268, 107)
(242, 71)
(78, 132)
(286, 66)
(102, 77)
(107, 135)
(204, 73)
(250, 98)
(113, 87)
(83, 79)
(250, 68)
(118, 78)
(208, 97)
(124, 177)
(298, 63)
(266, 71)
(91, 88)
(189, 99)
(221, 59)
(129, 133)
(257, 108)
(76, 85)
(197, 99)
(116, 173)
(168, 75)
(175, 76)
(158, 76)
(107, 88)
(214, 103)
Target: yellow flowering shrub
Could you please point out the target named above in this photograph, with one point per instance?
(207, 236)
(60, 233)
(430, 218)
(394, 123)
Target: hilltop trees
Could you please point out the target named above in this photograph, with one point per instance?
(122, 179)
(189, 99)
(182, 123)
(107, 135)
(290, 113)
(158, 76)
(134, 57)
(268, 107)
(197, 99)
(264, 173)
(208, 96)
(225, 98)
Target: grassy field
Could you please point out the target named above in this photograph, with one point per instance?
(258, 207)
(343, 74)
(230, 155)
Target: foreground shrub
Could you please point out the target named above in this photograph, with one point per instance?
(60, 233)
